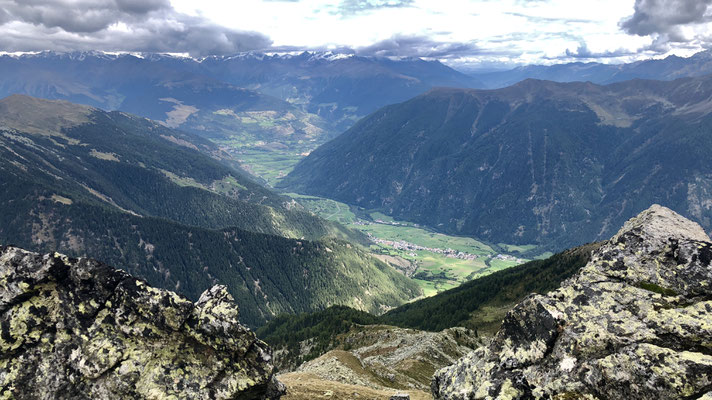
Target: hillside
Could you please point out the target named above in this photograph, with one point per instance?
(133, 193)
(135, 165)
(382, 357)
(402, 348)
(537, 163)
(482, 303)
(479, 306)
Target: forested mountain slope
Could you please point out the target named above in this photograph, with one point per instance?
(131, 192)
(556, 164)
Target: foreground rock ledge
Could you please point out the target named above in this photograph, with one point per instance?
(635, 323)
(79, 329)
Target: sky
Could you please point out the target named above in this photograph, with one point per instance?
(474, 34)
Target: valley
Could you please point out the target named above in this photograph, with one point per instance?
(435, 261)
(266, 163)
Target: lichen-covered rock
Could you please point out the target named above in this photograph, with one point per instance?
(635, 323)
(78, 329)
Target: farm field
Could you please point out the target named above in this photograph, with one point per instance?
(268, 164)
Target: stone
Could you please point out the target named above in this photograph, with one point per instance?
(634, 323)
(79, 329)
(400, 396)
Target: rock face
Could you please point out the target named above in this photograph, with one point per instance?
(79, 329)
(635, 323)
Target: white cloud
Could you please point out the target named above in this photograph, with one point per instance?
(515, 31)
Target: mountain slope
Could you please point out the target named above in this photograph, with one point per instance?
(268, 275)
(134, 193)
(478, 305)
(538, 162)
(669, 68)
(482, 303)
(136, 165)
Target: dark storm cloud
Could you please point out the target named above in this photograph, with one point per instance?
(418, 46)
(146, 25)
(83, 16)
(663, 19)
(142, 6)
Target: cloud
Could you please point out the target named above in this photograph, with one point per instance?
(142, 6)
(417, 46)
(117, 25)
(582, 51)
(664, 19)
(540, 19)
(351, 7)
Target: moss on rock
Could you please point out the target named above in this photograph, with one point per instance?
(76, 328)
(635, 323)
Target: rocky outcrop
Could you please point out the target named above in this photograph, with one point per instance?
(635, 323)
(79, 329)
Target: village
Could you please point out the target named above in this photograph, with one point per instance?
(450, 253)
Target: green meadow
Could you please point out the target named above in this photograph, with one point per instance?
(435, 272)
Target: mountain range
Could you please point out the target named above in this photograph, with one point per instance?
(267, 111)
(554, 164)
(666, 69)
(321, 89)
(270, 110)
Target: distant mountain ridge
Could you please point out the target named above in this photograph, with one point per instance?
(265, 111)
(337, 88)
(541, 162)
(669, 68)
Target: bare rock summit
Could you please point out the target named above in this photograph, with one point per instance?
(634, 323)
